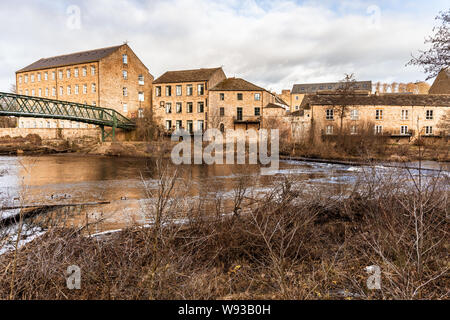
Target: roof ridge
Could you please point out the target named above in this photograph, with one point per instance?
(81, 52)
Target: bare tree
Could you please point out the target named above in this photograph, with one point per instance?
(438, 56)
(346, 93)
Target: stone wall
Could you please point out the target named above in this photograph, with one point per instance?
(51, 134)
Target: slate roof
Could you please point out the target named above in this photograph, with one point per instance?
(236, 84)
(194, 75)
(314, 87)
(70, 59)
(378, 100)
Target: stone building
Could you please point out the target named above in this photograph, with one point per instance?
(398, 116)
(295, 96)
(180, 98)
(238, 104)
(111, 77)
(441, 84)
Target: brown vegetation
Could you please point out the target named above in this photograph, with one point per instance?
(288, 244)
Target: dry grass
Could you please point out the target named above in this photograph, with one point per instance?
(287, 245)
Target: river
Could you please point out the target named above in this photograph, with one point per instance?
(77, 179)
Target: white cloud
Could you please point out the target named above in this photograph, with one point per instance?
(273, 44)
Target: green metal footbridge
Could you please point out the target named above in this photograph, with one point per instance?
(35, 107)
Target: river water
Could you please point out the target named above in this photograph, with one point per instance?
(76, 179)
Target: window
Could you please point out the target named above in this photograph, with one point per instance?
(54, 91)
(257, 111)
(45, 76)
(168, 124)
(403, 129)
(40, 92)
(168, 91)
(75, 72)
(201, 89)
(92, 70)
(189, 90)
(222, 96)
(428, 130)
(140, 113)
(378, 114)
(69, 90)
(404, 115)
(297, 107)
(20, 79)
(39, 77)
(94, 103)
(33, 92)
(60, 74)
(93, 88)
(68, 73)
(26, 92)
(84, 71)
(77, 89)
(200, 125)
(125, 75)
(353, 130)
(239, 96)
(168, 107)
(141, 96)
(26, 78)
(61, 91)
(178, 90)
(125, 108)
(257, 96)
(179, 107)
(429, 115)
(330, 114)
(239, 114)
(189, 107)
(85, 88)
(378, 129)
(46, 92)
(125, 92)
(141, 80)
(158, 91)
(222, 112)
(32, 78)
(329, 130)
(200, 107)
(190, 126)
(354, 114)
(53, 75)
(179, 124)
(125, 59)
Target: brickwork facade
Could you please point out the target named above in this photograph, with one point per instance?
(185, 104)
(98, 83)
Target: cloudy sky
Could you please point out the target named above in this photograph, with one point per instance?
(271, 43)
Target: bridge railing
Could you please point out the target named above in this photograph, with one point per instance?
(28, 106)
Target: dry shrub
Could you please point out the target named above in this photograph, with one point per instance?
(288, 244)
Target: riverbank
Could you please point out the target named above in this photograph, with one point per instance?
(286, 245)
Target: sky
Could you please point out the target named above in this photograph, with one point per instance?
(273, 44)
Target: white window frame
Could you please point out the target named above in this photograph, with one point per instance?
(405, 114)
(404, 130)
(429, 115)
(379, 114)
(354, 114)
(329, 114)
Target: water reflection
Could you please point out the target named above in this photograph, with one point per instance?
(78, 179)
